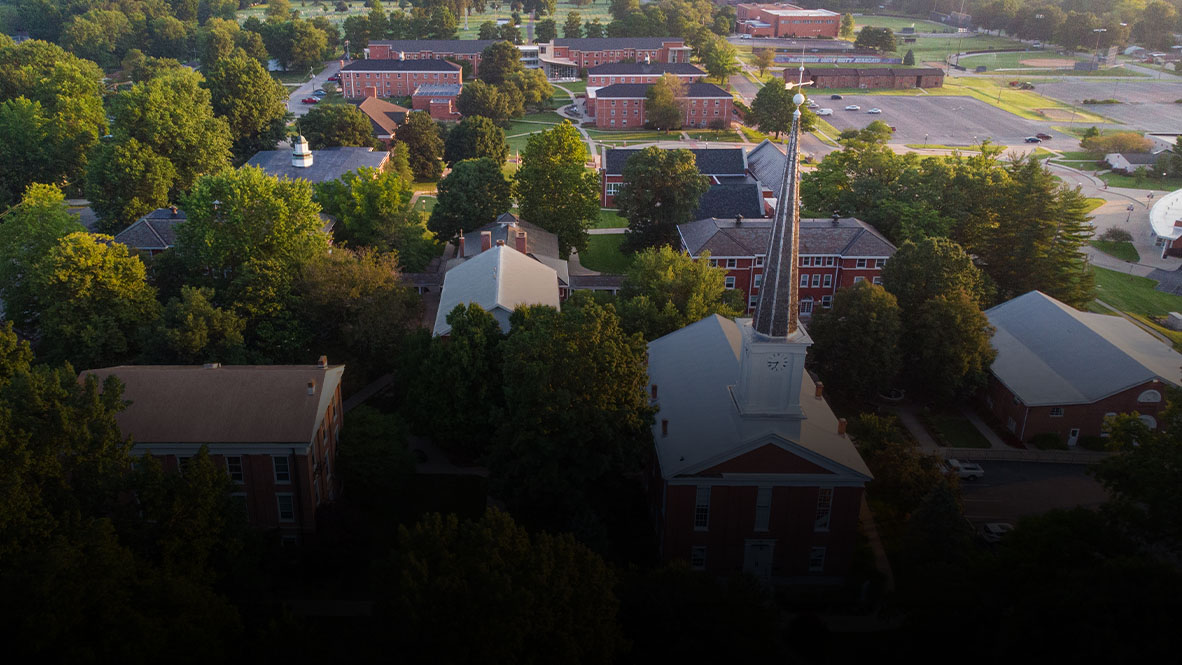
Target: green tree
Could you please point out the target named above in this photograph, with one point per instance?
(442, 24)
(98, 35)
(662, 109)
(475, 137)
(373, 209)
(192, 330)
(909, 58)
(246, 216)
(29, 231)
(399, 163)
(93, 299)
(475, 193)
(879, 39)
(554, 188)
(51, 116)
(665, 290)
(125, 181)
(498, 62)
(947, 351)
(934, 267)
(253, 103)
(356, 29)
(847, 26)
(308, 47)
(487, 30)
(903, 475)
(546, 31)
(937, 532)
(278, 10)
(661, 190)
(594, 29)
(721, 60)
(535, 90)
(570, 614)
(764, 58)
(422, 140)
(1154, 27)
(772, 109)
(374, 462)
(336, 125)
(576, 412)
(497, 103)
(356, 299)
(573, 27)
(856, 341)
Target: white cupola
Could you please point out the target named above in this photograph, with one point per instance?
(301, 156)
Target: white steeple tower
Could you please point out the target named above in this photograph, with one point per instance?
(771, 364)
(301, 156)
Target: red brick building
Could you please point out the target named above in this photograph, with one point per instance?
(752, 471)
(395, 78)
(438, 100)
(834, 254)
(429, 49)
(621, 106)
(1061, 371)
(640, 72)
(563, 58)
(274, 429)
(871, 77)
(721, 165)
(785, 20)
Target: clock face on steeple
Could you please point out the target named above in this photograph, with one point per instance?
(777, 362)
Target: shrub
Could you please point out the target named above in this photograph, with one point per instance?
(1048, 441)
(1115, 234)
(717, 123)
(1116, 142)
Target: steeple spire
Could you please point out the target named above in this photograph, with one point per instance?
(778, 311)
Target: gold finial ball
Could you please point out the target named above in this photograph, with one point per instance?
(798, 99)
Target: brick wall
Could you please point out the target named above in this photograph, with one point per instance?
(355, 85)
(829, 276)
(630, 114)
(1026, 423)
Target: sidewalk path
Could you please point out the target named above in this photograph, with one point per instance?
(908, 419)
(986, 431)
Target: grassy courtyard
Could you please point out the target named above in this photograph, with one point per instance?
(1123, 250)
(954, 430)
(603, 254)
(1132, 294)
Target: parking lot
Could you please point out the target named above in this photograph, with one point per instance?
(941, 120)
(1147, 105)
(1011, 490)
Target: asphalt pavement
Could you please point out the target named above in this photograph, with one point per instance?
(1012, 490)
(297, 107)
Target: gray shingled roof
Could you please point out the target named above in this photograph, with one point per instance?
(639, 90)
(538, 241)
(601, 281)
(155, 230)
(614, 43)
(872, 71)
(408, 65)
(722, 237)
(712, 161)
(636, 68)
(436, 45)
(731, 199)
(437, 90)
(1049, 353)
(328, 164)
(766, 163)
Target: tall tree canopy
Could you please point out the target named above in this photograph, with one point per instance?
(772, 109)
(555, 189)
(475, 193)
(661, 189)
(662, 107)
(373, 209)
(423, 143)
(253, 103)
(337, 125)
(475, 137)
(28, 232)
(665, 290)
(856, 340)
(498, 62)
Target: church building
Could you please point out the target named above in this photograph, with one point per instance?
(752, 471)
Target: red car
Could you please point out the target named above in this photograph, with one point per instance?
(334, 77)
(310, 100)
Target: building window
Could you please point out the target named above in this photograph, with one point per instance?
(758, 280)
(876, 280)
(816, 280)
(730, 282)
(1011, 425)
(859, 278)
(752, 301)
(234, 467)
(286, 507)
(861, 263)
(1149, 421)
(759, 260)
(824, 507)
(702, 509)
(239, 501)
(316, 490)
(732, 263)
(878, 263)
(1149, 397)
(613, 188)
(806, 306)
(282, 469)
(829, 261)
(713, 263)
(698, 557)
(806, 261)
(826, 301)
(816, 559)
(763, 508)
(1056, 412)
(804, 280)
(182, 463)
(828, 281)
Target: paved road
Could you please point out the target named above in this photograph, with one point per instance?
(1145, 104)
(742, 85)
(298, 108)
(1011, 490)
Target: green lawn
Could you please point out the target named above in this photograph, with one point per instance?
(1135, 295)
(294, 76)
(1008, 60)
(1077, 155)
(1123, 250)
(425, 204)
(574, 87)
(714, 135)
(897, 23)
(1133, 182)
(938, 146)
(423, 186)
(603, 254)
(1094, 203)
(548, 117)
(1115, 71)
(1025, 103)
(609, 218)
(954, 430)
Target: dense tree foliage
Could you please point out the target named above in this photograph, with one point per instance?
(498, 103)
(475, 137)
(373, 209)
(423, 144)
(662, 106)
(337, 125)
(475, 193)
(856, 341)
(772, 109)
(665, 290)
(554, 188)
(28, 232)
(253, 103)
(661, 189)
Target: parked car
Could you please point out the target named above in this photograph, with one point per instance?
(836, 97)
(966, 470)
(853, 107)
(874, 111)
(319, 93)
(310, 100)
(1033, 139)
(993, 531)
(744, 36)
(810, 103)
(335, 77)
(1045, 137)
(824, 111)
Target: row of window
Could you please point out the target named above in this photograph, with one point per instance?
(816, 558)
(805, 261)
(818, 280)
(763, 508)
(434, 75)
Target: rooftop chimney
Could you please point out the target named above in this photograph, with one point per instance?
(521, 241)
(323, 362)
(212, 365)
(665, 427)
(500, 243)
(820, 389)
(173, 210)
(311, 387)
(485, 240)
(460, 253)
(738, 220)
(836, 218)
(654, 392)
(301, 156)
(841, 427)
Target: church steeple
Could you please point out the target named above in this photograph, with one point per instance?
(771, 364)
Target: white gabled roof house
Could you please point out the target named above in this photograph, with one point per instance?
(498, 279)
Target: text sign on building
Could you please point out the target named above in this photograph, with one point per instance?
(838, 59)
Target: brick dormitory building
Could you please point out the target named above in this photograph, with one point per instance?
(870, 77)
(785, 20)
(622, 106)
(396, 78)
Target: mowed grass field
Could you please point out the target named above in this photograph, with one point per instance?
(1132, 294)
(897, 23)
